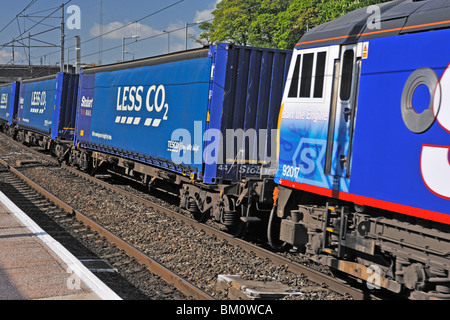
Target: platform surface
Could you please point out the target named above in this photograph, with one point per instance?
(34, 266)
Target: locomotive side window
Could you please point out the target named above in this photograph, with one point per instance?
(308, 76)
(293, 90)
(307, 69)
(320, 74)
(347, 75)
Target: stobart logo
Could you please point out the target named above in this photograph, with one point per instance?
(86, 102)
(132, 99)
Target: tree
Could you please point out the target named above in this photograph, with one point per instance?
(261, 28)
(330, 10)
(272, 23)
(295, 21)
(231, 22)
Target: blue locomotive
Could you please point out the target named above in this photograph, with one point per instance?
(364, 172)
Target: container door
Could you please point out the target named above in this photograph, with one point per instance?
(343, 111)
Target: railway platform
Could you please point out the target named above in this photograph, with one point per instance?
(34, 266)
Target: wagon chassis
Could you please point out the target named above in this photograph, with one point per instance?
(235, 205)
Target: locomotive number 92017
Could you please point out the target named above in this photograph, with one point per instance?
(291, 171)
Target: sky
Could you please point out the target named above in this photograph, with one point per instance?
(151, 27)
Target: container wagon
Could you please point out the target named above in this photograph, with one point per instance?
(202, 120)
(46, 111)
(9, 94)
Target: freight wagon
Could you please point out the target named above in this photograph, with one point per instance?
(46, 110)
(9, 94)
(203, 120)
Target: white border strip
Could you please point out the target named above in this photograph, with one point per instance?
(97, 286)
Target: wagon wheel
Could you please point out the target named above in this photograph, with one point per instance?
(193, 208)
(233, 222)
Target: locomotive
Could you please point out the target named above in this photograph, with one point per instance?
(363, 168)
(337, 150)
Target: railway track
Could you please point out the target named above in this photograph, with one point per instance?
(110, 258)
(99, 255)
(148, 219)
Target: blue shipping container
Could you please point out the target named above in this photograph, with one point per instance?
(247, 89)
(44, 104)
(172, 111)
(8, 104)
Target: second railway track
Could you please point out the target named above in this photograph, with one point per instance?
(195, 251)
(104, 259)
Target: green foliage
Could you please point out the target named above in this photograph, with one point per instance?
(272, 23)
(243, 22)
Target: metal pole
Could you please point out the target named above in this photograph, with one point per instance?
(123, 49)
(186, 35)
(29, 49)
(13, 60)
(62, 40)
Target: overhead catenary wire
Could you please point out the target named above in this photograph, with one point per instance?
(25, 32)
(35, 24)
(163, 33)
(120, 28)
(130, 24)
(136, 41)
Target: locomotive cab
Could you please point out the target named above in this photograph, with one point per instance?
(357, 189)
(320, 78)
